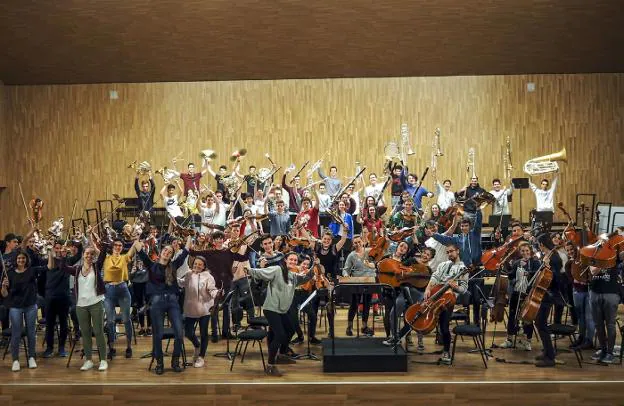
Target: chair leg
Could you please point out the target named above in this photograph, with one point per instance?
(238, 343)
(167, 347)
(244, 352)
(453, 352)
(576, 352)
(261, 355)
(25, 348)
(6, 350)
(151, 363)
(477, 341)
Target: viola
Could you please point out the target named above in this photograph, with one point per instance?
(394, 273)
(423, 317)
(446, 220)
(299, 242)
(491, 259)
(581, 237)
(533, 301)
(603, 253)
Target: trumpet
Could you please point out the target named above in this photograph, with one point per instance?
(316, 165)
(436, 143)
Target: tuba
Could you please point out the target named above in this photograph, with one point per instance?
(545, 164)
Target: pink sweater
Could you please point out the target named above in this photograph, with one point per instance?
(199, 293)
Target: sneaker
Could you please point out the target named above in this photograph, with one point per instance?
(199, 362)
(349, 332)
(148, 332)
(315, 341)
(160, 368)
(291, 354)
(390, 342)
(586, 345)
(524, 345)
(16, 366)
(141, 332)
(48, 353)
(32, 364)
(540, 357)
(421, 345)
(445, 358)
(272, 370)
(175, 365)
(103, 366)
(608, 359)
(507, 344)
(62, 353)
(128, 352)
(298, 340)
(196, 356)
(367, 331)
(598, 355)
(214, 338)
(87, 365)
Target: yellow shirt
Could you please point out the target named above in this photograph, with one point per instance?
(116, 268)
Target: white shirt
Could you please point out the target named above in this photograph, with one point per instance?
(172, 206)
(440, 253)
(356, 196)
(259, 207)
(544, 198)
(207, 216)
(221, 217)
(445, 199)
(324, 202)
(501, 205)
(87, 295)
(374, 191)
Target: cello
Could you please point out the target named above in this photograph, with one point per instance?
(603, 253)
(423, 317)
(542, 281)
(581, 237)
(500, 290)
(491, 259)
(394, 273)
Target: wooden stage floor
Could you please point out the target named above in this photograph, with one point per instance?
(467, 382)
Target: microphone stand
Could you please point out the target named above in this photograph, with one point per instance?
(309, 355)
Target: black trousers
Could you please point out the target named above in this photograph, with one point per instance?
(56, 308)
(214, 321)
(280, 331)
(475, 286)
(189, 332)
(310, 311)
(541, 324)
(366, 305)
(512, 323)
(241, 299)
(140, 298)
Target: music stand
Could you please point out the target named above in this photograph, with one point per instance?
(227, 354)
(520, 183)
(543, 218)
(309, 354)
(500, 221)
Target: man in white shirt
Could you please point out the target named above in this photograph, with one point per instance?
(431, 227)
(544, 196)
(374, 189)
(501, 205)
(446, 198)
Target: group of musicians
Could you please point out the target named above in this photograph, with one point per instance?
(250, 242)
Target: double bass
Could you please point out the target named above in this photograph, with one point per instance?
(423, 317)
(394, 273)
(542, 281)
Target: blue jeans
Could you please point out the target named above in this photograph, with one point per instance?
(585, 317)
(118, 294)
(160, 304)
(17, 316)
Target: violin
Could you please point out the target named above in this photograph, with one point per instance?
(603, 253)
(500, 290)
(379, 245)
(299, 242)
(395, 274)
(319, 281)
(400, 235)
(423, 317)
(446, 220)
(237, 243)
(581, 237)
(533, 301)
(491, 259)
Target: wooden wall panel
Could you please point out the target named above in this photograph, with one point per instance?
(113, 41)
(67, 140)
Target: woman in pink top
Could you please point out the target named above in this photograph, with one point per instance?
(200, 291)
